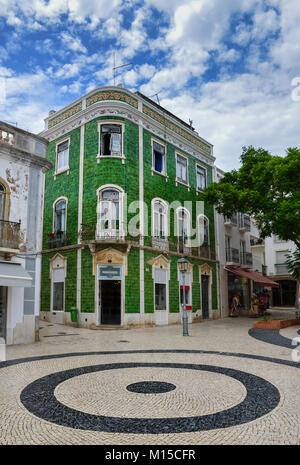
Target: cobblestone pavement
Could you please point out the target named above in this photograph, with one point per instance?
(218, 386)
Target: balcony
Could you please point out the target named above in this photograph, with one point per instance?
(160, 243)
(89, 233)
(182, 247)
(230, 221)
(57, 240)
(246, 259)
(10, 237)
(257, 242)
(232, 256)
(281, 269)
(7, 136)
(23, 140)
(244, 222)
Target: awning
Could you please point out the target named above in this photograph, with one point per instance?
(258, 278)
(13, 274)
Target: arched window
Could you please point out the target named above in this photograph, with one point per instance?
(2, 201)
(203, 230)
(183, 228)
(109, 212)
(159, 219)
(60, 216)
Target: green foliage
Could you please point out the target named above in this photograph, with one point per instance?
(293, 263)
(267, 188)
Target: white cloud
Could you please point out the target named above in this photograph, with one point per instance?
(78, 11)
(67, 71)
(285, 51)
(73, 43)
(5, 72)
(247, 110)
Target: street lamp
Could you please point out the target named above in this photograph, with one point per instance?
(183, 264)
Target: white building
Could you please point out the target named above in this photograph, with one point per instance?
(238, 272)
(269, 257)
(22, 166)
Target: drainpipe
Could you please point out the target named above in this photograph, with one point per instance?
(217, 244)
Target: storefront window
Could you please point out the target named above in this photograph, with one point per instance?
(238, 285)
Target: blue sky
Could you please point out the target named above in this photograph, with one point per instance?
(226, 64)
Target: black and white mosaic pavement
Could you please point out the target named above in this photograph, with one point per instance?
(271, 336)
(39, 398)
(150, 387)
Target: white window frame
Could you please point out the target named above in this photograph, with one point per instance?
(198, 227)
(115, 123)
(161, 316)
(188, 240)
(164, 170)
(52, 289)
(164, 204)
(178, 180)
(205, 175)
(53, 207)
(67, 167)
(112, 232)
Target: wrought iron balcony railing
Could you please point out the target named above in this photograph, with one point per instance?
(246, 258)
(10, 236)
(57, 240)
(231, 220)
(244, 222)
(160, 243)
(232, 255)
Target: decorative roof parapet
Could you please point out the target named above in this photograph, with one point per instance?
(83, 106)
(156, 116)
(58, 119)
(111, 95)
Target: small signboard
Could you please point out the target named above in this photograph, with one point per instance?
(109, 272)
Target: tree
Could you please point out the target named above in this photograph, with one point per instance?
(267, 188)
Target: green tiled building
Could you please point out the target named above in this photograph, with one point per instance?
(122, 205)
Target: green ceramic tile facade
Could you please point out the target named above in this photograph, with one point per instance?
(126, 176)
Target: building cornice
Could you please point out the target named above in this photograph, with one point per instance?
(121, 109)
(27, 158)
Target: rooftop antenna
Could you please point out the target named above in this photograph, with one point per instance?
(156, 95)
(116, 67)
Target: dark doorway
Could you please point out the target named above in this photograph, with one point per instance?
(3, 311)
(110, 302)
(285, 295)
(205, 299)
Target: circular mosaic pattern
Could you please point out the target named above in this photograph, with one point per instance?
(105, 393)
(150, 387)
(39, 398)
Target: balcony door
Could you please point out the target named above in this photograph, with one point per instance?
(109, 213)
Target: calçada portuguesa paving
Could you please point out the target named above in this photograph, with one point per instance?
(220, 385)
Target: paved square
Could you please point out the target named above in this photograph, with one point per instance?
(221, 385)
